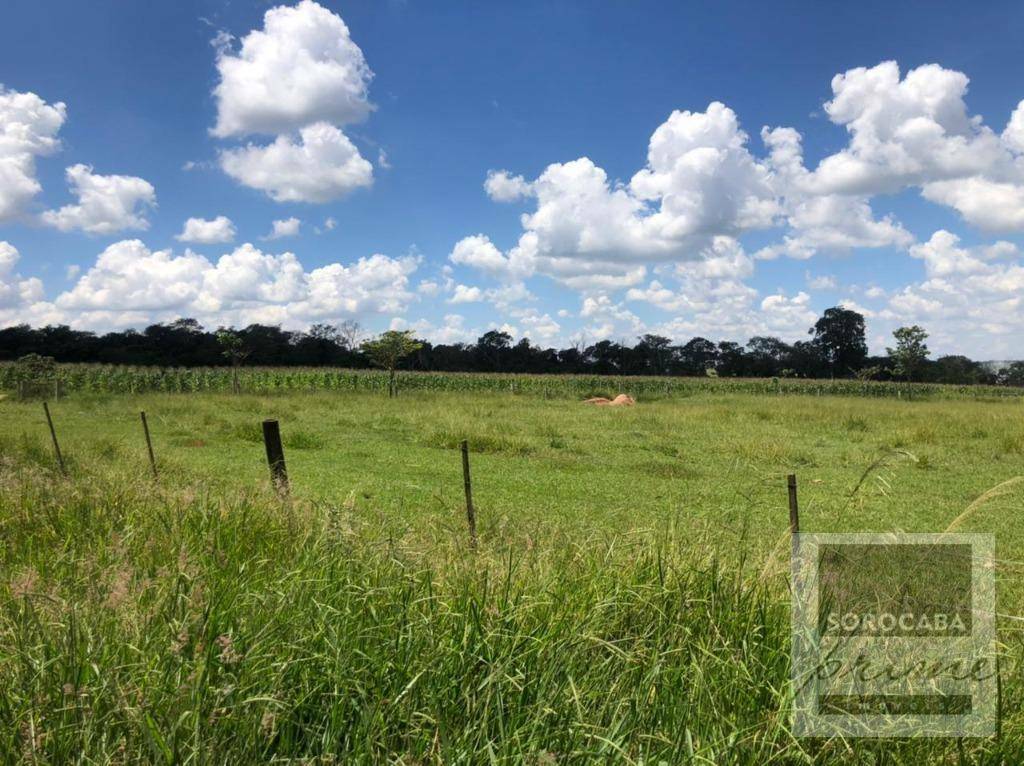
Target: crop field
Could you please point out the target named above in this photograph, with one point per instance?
(126, 379)
(626, 602)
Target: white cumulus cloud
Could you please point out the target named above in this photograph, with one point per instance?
(286, 227)
(14, 290)
(301, 68)
(322, 165)
(131, 285)
(501, 186)
(28, 129)
(913, 131)
(301, 77)
(480, 253)
(207, 231)
(700, 181)
(106, 204)
(466, 294)
(972, 298)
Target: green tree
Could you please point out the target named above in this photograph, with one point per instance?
(388, 350)
(1013, 375)
(910, 353)
(839, 334)
(698, 356)
(957, 369)
(654, 353)
(492, 349)
(232, 347)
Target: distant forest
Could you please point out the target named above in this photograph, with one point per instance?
(835, 347)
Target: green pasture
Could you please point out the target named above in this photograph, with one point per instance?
(627, 601)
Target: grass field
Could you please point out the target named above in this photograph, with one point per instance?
(627, 602)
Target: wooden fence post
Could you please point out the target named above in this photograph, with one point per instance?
(275, 455)
(53, 435)
(470, 512)
(794, 509)
(149, 443)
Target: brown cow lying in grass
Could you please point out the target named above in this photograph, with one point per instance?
(622, 400)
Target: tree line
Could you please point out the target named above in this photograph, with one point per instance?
(835, 347)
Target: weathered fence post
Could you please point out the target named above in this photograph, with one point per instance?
(470, 512)
(53, 435)
(794, 509)
(149, 443)
(275, 455)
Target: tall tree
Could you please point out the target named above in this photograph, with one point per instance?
(911, 352)
(767, 355)
(605, 357)
(732, 359)
(492, 348)
(233, 348)
(698, 356)
(348, 333)
(388, 350)
(654, 353)
(1013, 375)
(840, 336)
(957, 369)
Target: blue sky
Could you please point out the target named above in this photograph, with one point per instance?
(905, 198)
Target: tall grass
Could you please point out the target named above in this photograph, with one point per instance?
(146, 624)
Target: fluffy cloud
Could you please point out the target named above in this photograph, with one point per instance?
(991, 205)
(106, 204)
(322, 165)
(504, 187)
(608, 319)
(702, 178)
(452, 330)
(480, 253)
(820, 222)
(503, 298)
(943, 257)
(788, 317)
(972, 298)
(466, 294)
(127, 276)
(539, 327)
(377, 284)
(287, 227)
(429, 288)
(700, 181)
(668, 236)
(724, 258)
(28, 129)
(710, 297)
(1013, 134)
(301, 68)
(904, 132)
(300, 77)
(129, 284)
(821, 282)
(15, 291)
(207, 232)
(914, 131)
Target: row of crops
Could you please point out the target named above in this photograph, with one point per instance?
(98, 378)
